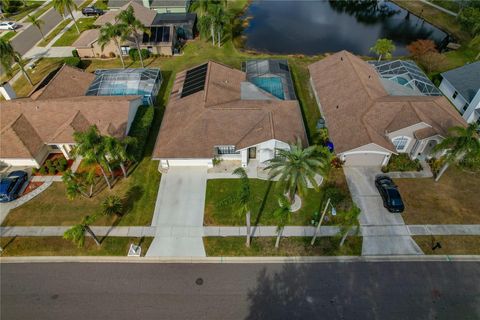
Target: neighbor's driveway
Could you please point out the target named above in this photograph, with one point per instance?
(361, 182)
(180, 203)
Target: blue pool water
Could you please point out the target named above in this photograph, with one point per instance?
(272, 85)
(402, 81)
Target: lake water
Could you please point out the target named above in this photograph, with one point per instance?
(313, 27)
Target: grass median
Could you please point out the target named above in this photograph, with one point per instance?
(71, 35)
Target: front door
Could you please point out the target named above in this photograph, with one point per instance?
(252, 153)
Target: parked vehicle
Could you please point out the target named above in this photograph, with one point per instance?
(392, 200)
(11, 185)
(92, 11)
(8, 25)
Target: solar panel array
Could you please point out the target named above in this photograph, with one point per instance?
(194, 80)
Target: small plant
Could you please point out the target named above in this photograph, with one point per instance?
(75, 53)
(112, 205)
(384, 169)
(73, 61)
(52, 170)
(112, 54)
(216, 161)
(133, 53)
(42, 171)
(337, 163)
(34, 170)
(48, 163)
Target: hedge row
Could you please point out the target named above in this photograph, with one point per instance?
(140, 129)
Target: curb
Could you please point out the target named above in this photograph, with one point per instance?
(233, 260)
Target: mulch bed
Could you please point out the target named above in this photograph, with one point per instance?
(32, 186)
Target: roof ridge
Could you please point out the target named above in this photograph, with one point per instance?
(251, 129)
(12, 129)
(349, 58)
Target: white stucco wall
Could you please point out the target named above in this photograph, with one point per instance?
(132, 112)
(470, 115)
(409, 133)
(448, 90)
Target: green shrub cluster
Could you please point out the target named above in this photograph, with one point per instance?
(12, 6)
(402, 163)
(140, 129)
(133, 53)
(73, 61)
(53, 167)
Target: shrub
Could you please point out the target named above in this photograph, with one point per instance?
(335, 194)
(73, 61)
(140, 129)
(48, 163)
(112, 54)
(402, 162)
(75, 53)
(34, 170)
(12, 6)
(133, 53)
(52, 170)
(61, 164)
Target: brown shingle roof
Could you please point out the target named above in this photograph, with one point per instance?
(359, 111)
(86, 38)
(19, 139)
(144, 15)
(192, 126)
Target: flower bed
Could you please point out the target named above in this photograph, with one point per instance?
(32, 186)
(402, 163)
(55, 164)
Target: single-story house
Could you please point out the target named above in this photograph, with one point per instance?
(216, 111)
(462, 87)
(44, 123)
(161, 6)
(166, 30)
(370, 117)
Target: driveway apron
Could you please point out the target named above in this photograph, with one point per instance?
(179, 210)
(361, 182)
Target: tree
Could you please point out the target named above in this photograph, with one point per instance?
(461, 143)
(348, 220)
(112, 205)
(117, 150)
(38, 23)
(113, 32)
(420, 48)
(132, 27)
(211, 15)
(296, 167)
(383, 48)
(77, 233)
(433, 61)
(220, 21)
(66, 5)
(90, 145)
(469, 19)
(8, 56)
(79, 183)
(282, 215)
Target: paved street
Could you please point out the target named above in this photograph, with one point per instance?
(349, 290)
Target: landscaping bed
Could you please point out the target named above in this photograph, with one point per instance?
(463, 245)
(55, 164)
(71, 35)
(293, 246)
(452, 200)
(32, 185)
(402, 163)
(57, 246)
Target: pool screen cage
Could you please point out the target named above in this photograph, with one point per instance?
(271, 68)
(410, 71)
(124, 82)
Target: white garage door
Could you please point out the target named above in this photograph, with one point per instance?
(364, 159)
(189, 162)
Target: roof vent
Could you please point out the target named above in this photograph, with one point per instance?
(341, 58)
(37, 108)
(337, 106)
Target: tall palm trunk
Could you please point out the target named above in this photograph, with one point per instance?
(442, 171)
(212, 32)
(105, 177)
(25, 74)
(91, 191)
(120, 52)
(344, 237)
(90, 232)
(73, 18)
(247, 218)
(138, 48)
(379, 58)
(123, 169)
(219, 41)
(279, 235)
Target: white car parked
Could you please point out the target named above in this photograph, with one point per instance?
(8, 25)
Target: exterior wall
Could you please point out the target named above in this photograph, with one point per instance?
(448, 90)
(471, 114)
(95, 51)
(367, 155)
(265, 150)
(170, 9)
(132, 112)
(27, 162)
(419, 149)
(408, 132)
(166, 163)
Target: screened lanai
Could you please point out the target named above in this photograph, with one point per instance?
(123, 82)
(272, 76)
(407, 74)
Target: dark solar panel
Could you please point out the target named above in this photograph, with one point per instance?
(194, 80)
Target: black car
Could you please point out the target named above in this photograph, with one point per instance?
(11, 186)
(392, 200)
(92, 11)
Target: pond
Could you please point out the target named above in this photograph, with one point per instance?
(313, 27)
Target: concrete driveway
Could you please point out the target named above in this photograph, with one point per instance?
(179, 213)
(361, 182)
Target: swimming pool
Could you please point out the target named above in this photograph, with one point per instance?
(402, 81)
(272, 85)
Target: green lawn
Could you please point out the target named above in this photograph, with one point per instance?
(85, 4)
(264, 202)
(69, 37)
(294, 246)
(43, 10)
(52, 34)
(57, 246)
(31, 6)
(449, 244)
(8, 35)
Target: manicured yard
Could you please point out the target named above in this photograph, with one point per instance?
(454, 199)
(264, 202)
(52, 34)
(43, 10)
(69, 37)
(450, 244)
(294, 246)
(57, 246)
(31, 5)
(8, 35)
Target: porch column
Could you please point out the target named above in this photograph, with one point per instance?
(65, 151)
(244, 154)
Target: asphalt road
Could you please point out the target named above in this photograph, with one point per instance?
(354, 290)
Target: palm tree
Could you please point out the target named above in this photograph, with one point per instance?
(220, 21)
(347, 221)
(112, 205)
(117, 150)
(90, 145)
(8, 56)
(112, 32)
(37, 22)
(383, 48)
(462, 143)
(66, 5)
(133, 27)
(77, 232)
(208, 12)
(282, 214)
(78, 183)
(297, 167)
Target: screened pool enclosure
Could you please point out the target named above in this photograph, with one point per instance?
(407, 74)
(124, 82)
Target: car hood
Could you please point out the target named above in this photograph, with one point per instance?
(4, 184)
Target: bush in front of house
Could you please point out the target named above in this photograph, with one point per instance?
(139, 131)
(73, 61)
(402, 163)
(54, 167)
(133, 53)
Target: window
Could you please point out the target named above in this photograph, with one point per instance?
(401, 143)
(465, 107)
(125, 50)
(455, 94)
(226, 150)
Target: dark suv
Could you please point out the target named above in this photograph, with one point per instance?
(392, 200)
(92, 11)
(11, 186)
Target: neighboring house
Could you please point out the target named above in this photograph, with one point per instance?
(161, 6)
(370, 117)
(166, 31)
(216, 111)
(462, 87)
(32, 128)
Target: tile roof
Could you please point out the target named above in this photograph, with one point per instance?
(466, 79)
(86, 38)
(153, 3)
(192, 126)
(358, 110)
(144, 15)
